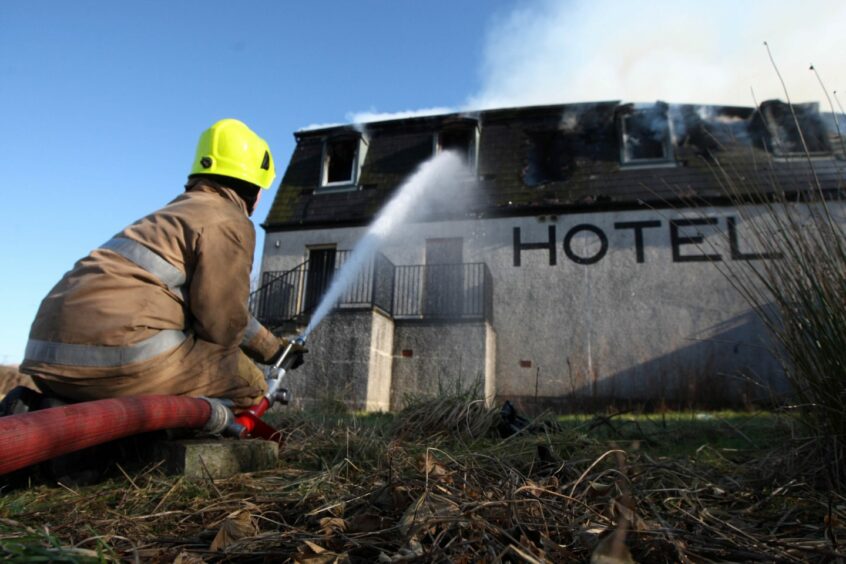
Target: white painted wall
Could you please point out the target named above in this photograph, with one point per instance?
(617, 327)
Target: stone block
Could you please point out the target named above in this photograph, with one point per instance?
(218, 458)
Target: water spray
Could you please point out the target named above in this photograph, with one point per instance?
(409, 204)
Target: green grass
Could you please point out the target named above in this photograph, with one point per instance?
(681, 434)
(19, 544)
(675, 434)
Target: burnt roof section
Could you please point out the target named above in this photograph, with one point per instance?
(572, 158)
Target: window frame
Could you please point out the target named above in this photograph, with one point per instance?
(472, 156)
(361, 145)
(669, 158)
(777, 132)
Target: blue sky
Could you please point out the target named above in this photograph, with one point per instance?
(102, 101)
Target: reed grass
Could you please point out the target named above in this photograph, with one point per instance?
(799, 291)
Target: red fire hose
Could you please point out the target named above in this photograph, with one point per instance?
(34, 437)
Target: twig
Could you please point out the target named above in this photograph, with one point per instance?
(586, 472)
(209, 477)
(795, 119)
(125, 475)
(167, 494)
(833, 113)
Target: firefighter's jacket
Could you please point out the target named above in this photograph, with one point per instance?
(159, 308)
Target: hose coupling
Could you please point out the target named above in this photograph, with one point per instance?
(221, 416)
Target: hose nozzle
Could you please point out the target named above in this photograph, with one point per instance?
(280, 364)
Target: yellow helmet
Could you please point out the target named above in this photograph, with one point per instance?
(230, 148)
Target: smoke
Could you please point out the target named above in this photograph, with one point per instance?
(681, 51)
(373, 115)
(358, 119)
(314, 126)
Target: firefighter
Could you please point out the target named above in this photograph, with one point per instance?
(161, 308)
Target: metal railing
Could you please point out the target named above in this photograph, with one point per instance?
(359, 292)
(286, 296)
(461, 291)
(280, 297)
(384, 273)
(372, 287)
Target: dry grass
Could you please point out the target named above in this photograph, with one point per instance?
(799, 294)
(352, 489)
(10, 377)
(452, 416)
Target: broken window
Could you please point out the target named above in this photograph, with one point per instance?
(342, 159)
(646, 136)
(784, 127)
(708, 130)
(550, 157)
(462, 140)
(339, 161)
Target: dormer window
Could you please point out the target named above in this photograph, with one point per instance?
(342, 159)
(646, 136)
(547, 158)
(462, 139)
(784, 126)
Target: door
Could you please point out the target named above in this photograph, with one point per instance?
(444, 281)
(321, 268)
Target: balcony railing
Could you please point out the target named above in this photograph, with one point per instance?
(461, 291)
(279, 299)
(437, 291)
(290, 296)
(372, 287)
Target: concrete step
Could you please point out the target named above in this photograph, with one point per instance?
(215, 458)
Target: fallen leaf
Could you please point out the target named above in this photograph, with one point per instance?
(332, 525)
(186, 557)
(237, 525)
(620, 511)
(599, 488)
(612, 550)
(314, 547)
(434, 469)
(426, 508)
(313, 553)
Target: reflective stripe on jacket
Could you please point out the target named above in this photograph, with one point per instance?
(182, 270)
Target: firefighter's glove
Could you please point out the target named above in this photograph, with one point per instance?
(295, 357)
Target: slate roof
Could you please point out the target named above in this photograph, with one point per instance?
(567, 158)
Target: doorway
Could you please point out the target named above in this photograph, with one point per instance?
(321, 269)
(444, 281)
